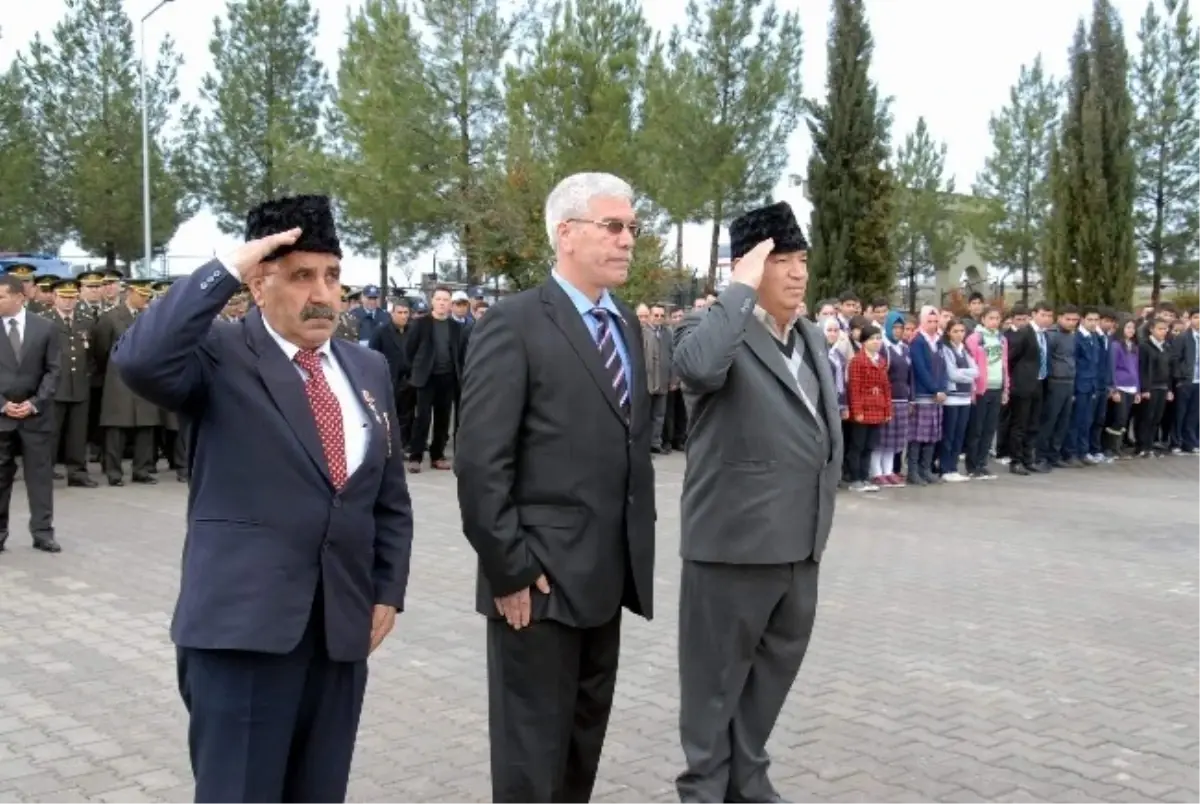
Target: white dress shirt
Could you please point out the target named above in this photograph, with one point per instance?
(20, 319)
(355, 425)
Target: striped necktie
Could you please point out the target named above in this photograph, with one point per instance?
(614, 367)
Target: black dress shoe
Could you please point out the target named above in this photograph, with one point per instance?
(145, 480)
(47, 545)
(1018, 469)
(116, 481)
(84, 482)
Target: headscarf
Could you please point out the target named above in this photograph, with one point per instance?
(889, 325)
(842, 346)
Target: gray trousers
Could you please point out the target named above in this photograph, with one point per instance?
(743, 632)
(658, 418)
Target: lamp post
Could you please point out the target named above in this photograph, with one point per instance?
(146, 141)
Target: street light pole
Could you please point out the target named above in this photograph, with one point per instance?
(146, 142)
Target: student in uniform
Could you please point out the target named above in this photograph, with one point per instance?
(870, 397)
(1124, 390)
(961, 373)
(1154, 369)
(989, 349)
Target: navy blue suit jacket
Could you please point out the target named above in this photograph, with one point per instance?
(265, 527)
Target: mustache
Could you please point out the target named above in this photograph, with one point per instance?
(312, 311)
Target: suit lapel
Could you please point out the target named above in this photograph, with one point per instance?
(763, 345)
(286, 387)
(370, 400)
(814, 342)
(562, 312)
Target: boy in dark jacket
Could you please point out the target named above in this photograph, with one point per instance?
(1154, 368)
(1089, 370)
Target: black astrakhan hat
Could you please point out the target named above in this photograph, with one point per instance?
(312, 214)
(776, 221)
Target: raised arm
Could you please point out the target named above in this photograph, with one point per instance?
(493, 401)
(707, 340)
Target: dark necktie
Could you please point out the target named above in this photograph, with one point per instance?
(14, 337)
(327, 413)
(613, 366)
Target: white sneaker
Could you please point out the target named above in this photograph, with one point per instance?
(858, 485)
(955, 477)
(985, 476)
(1005, 460)
(868, 486)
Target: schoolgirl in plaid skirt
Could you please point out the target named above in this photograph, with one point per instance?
(893, 436)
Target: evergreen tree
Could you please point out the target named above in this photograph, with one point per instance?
(926, 235)
(465, 49)
(747, 61)
(1093, 258)
(849, 185)
(1016, 177)
(1166, 87)
(84, 93)
(27, 222)
(389, 137)
(264, 99)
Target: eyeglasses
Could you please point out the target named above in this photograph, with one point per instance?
(613, 227)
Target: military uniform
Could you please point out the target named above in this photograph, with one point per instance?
(122, 412)
(74, 387)
(94, 311)
(26, 273)
(347, 328)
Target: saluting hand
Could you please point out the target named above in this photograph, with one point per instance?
(247, 259)
(749, 269)
(516, 608)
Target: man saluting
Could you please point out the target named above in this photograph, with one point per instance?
(299, 521)
(764, 455)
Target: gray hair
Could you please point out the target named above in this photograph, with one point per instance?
(570, 198)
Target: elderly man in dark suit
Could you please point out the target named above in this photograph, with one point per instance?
(557, 495)
(299, 522)
(30, 362)
(764, 456)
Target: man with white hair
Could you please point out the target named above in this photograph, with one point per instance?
(557, 495)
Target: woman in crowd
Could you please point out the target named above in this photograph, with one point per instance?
(928, 394)
(893, 436)
(1126, 386)
(961, 373)
(870, 397)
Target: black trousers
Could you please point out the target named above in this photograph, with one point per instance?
(860, 440)
(266, 727)
(675, 426)
(95, 432)
(435, 402)
(37, 460)
(114, 451)
(71, 436)
(743, 633)
(1024, 417)
(981, 428)
(1057, 403)
(1002, 429)
(406, 409)
(1117, 424)
(550, 691)
(1149, 418)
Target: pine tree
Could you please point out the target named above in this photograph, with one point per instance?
(465, 48)
(26, 220)
(927, 235)
(1016, 177)
(849, 186)
(389, 137)
(746, 56)
(84, 93)
(1166, 86)
(264, 98)
(1093, 259)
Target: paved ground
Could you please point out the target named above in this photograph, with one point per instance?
(1029, 639)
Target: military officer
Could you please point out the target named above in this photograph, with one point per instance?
(74, 386)
(26, 274)
(347, 328)
(91, 291)
(43, 294)
(123, 413)
(92, 305)
(110, 294)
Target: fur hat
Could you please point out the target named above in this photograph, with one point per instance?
(311, 213)
(776, 221)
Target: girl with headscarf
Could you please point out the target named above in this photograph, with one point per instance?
(893, 436)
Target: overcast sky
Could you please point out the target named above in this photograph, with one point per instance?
(952, 61)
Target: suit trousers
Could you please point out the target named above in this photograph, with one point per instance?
(1187, 416)
(267, 727)
(675, 426)
(1025, 412)
(1099, 417)
(550, 692)
(1056, 420)
(37, 461)
(114, 451)
(435, 403)
(1079, 438)
(1149, 418)
(1002, 430)
(658, 417)
(743, 633)
(71, 437)
(406, 408)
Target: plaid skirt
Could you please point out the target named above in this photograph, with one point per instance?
(926, 425)
(893, 436)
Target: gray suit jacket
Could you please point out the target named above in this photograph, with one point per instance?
(761, 475)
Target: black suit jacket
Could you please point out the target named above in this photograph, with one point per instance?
(1024, 361)
(389, 342)
(1183, 357)
(32, 377)
(418, 345)
(553, 478)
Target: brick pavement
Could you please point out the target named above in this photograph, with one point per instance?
(1029, 639)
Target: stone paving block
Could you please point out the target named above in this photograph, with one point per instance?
(1045, 654)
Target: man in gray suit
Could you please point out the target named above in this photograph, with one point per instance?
(764, 456)
(657, 344)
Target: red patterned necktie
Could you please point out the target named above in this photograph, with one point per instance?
(327, 413)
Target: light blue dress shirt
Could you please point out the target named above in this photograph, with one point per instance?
(585, 305)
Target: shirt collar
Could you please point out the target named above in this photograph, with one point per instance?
(768, 321)
(290, 349)
(18, 316)
(582, 303)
